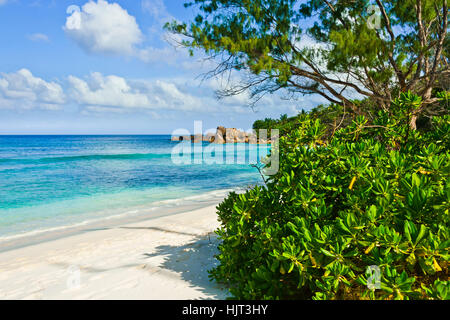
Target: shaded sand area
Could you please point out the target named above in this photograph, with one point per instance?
(162, 258)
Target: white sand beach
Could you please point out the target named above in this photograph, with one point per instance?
(162, 258)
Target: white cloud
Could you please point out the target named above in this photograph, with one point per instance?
(174, 98)
(98, 94)
(38, 37)
(106, 28)
(23, 90)
(106, 91)
(102, 27)
(2, 2)
(113, 91)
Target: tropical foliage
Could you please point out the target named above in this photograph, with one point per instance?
(372, 194)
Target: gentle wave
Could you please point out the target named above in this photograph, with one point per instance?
(89, 157)
(132, 156)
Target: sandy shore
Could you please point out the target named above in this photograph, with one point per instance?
(163, 258)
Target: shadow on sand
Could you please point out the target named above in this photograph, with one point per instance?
(162, 230)
(192, 261)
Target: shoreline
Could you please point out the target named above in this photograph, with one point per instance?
(160, 257)
(151, 211)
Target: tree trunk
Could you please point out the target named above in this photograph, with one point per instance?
(426, 96)
(412, 122)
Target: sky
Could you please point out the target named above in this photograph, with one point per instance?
(109, 67)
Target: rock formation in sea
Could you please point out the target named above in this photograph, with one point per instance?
(224, 135)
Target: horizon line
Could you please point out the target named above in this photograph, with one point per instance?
(85, 134)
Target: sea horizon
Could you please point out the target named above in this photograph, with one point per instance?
(85, 134)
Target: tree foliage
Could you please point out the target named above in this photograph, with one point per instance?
(334, 48)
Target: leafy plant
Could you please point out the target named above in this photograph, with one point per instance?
(370, 195)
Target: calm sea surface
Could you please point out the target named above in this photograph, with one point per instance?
(56, 181)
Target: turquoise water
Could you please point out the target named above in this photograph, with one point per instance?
(52, 181)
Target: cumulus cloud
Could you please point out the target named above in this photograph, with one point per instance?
(106, 28)
(103, 27)
(113, 91)
(98, 94)
(102, 90)
(23, 90)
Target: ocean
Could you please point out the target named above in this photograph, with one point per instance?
(53, 182)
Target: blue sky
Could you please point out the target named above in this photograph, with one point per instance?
(107, 67)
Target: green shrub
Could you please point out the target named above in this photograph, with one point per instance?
(372, 195)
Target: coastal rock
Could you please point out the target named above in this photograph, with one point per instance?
(218, 138)
(185, 138)
(209, 137)
(221, 131)
(220, 135)
(229, 135)
(252, 138)
(241, 137)
(224, 135)
(234, 135)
